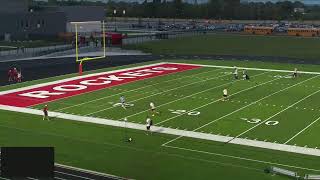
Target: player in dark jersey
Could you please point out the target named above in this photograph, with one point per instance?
(45, 113)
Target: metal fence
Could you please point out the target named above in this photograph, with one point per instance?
(30, 52)
(160, 36)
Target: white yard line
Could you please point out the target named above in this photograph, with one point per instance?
(242, 158)
(186, 97)
(235, 110)
(255, 69)
(302, 131)
(197, 82)
(262, 122)
(132, 90)
(176, 132)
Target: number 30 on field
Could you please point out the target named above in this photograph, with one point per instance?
(181, 112)
(256, 121)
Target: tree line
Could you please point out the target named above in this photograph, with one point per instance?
(213, 9)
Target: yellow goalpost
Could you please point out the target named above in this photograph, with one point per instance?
(96, 29)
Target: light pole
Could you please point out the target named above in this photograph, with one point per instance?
(115, 19)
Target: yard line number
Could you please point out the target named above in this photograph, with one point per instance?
(181, 112)
(256, 121)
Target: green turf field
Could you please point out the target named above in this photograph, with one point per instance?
(271, 107)
(243, 45)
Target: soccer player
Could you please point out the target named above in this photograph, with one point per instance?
(153, 108)
(295, 73)
(123, 102)
(148, 124)
(235, 73)
(245, 75)
(225, 95)
(45, 113)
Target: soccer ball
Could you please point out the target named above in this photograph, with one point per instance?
(130, 139)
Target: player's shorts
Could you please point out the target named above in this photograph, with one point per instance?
(225, 95)
(148, 127)
(295, 74)
(153, 109)
(45, 113)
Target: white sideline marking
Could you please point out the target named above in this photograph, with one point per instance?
(277, 113)
(302, 130)
(255, 69)
(191, 134)
(186, 97)
(80, 104)
(241, 158)
(235, 110)
(75, 78)
(154, 94)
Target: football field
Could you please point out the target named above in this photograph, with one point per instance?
(271, 112)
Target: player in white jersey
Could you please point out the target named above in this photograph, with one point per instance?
(148, 123)
(153, 108)
(245, 75)
(225, 95)
(235, 73)
(295, 73)
(123, 101)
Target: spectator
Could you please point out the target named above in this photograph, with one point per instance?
(10, 75)
(15, 74)
(19, 77)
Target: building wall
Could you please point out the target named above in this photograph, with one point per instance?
(24, 25)
(13, 6)
(83, 13)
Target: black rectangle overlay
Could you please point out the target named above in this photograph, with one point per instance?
(22, 162)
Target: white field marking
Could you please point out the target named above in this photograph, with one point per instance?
(242, 158)
(302, 130)
(215, 102)
(187, 97)
(132, 90)
(155, 94)
(85, 170)
(162, 130)
(76, 78)
(255, 69)
(59, 178)
(276, 114)
(237, 109)
(81, 177)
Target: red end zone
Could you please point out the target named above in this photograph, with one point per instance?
(46, 93)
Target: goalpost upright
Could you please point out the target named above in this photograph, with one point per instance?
(77, 33)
